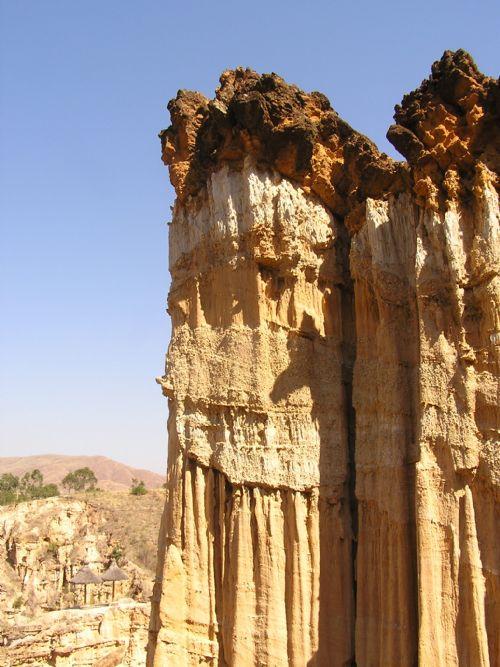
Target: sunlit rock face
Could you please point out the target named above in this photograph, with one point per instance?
(258, 431)
(332, 380)
(44, 621)
(107, 636)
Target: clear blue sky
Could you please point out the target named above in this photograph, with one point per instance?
(85, 198)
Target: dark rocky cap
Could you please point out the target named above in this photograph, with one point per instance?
(450, 121)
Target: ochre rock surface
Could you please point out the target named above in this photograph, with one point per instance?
(333, 466)
(112, 636)
(43, 543)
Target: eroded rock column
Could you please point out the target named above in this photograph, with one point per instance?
(333, 380)
(258, 519)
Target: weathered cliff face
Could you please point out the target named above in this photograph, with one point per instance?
(258, 432)
(332, 380)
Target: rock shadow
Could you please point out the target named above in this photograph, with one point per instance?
(311, 360)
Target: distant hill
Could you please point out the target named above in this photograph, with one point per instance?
(111, 475)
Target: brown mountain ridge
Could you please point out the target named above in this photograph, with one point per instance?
(111, 475)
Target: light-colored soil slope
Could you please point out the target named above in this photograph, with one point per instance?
(111, 475)
(133, 522)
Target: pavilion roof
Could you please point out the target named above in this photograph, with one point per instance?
(85, 576)
(114, 573)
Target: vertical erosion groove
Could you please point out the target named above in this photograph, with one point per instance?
(348, 349)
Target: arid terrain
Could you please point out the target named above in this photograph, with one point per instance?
(43, 618)
(111, 475)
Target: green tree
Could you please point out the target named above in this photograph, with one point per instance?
(30, 483)
(82, 479)
(9, 486)
(138, 487)
(47, 491)
(9, 482)
(29, 487)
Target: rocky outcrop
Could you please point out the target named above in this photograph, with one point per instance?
(44, 620)
(43, 543)
(332, 378)
(94, 637)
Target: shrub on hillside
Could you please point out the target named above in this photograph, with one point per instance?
(18, 602)
(117, 553)
(138, 487)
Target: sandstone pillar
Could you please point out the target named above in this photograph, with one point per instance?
(332, 380)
